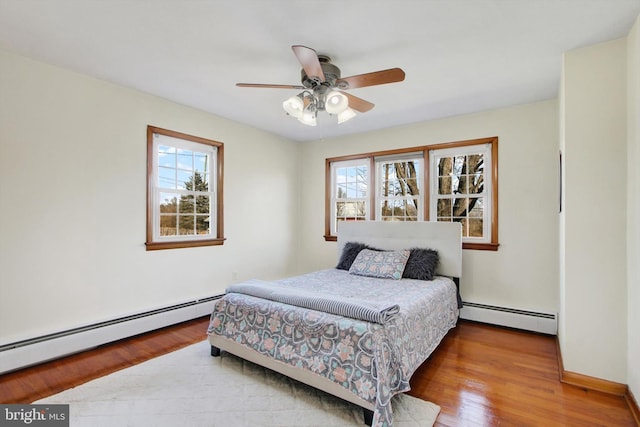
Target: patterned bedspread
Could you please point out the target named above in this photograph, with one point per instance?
(371, 360)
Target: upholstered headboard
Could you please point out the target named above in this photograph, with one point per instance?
(444, 237)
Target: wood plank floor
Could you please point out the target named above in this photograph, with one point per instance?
(480, 375)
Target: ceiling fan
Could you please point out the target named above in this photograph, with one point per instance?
(323, 88)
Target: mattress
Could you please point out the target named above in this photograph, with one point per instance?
(373, 361)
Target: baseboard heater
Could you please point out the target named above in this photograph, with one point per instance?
(546, 323)
(36, 350)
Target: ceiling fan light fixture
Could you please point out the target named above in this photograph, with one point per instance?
(294, 106)
(322, 88)
(347, 114)
(336, 102)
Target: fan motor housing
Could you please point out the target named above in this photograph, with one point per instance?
(331, 74)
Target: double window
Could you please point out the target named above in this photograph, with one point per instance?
(184, 190)
(445, 182)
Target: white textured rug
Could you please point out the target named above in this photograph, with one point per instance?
(190, 388)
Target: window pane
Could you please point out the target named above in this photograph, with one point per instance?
(185, 225)
(476, 207)
(444, 208)
(412, 183)
(462, 184)
(186, 205)
(445, 166)
(168, 203)
(459, 165)
(460, 206)
(352, 192)
(203, 204)
(166, 156)
(168, 225)
(201, 163)
(202, 224)
(185, 159)
(184, 178)
(166, 177)
(444, 185)
(350, 210)
(475, 163)
(475, 227)
(476, 183)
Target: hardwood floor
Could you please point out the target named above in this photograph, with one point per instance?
(480, 375)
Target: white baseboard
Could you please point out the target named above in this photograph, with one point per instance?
(29, 352)
(546, 323)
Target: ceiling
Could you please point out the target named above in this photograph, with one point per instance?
(459, 56)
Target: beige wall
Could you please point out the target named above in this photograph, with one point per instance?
(72, 203)
(523, 273)
(633, 208)
(593, 329)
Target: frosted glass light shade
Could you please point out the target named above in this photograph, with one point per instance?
(347, 114)
(336, 102)
(308, 118)
(294, 106)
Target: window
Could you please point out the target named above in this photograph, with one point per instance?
(454, 181)
(349, 191)
(184, 190)
(461, 191)
(398, 187)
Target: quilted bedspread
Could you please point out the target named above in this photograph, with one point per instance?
(374, 361)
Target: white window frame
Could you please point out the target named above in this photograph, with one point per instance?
(418, 159)
(212, 152)
(487, 193)
(366, 199)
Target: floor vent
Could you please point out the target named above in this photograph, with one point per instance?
(35, 350)
(546, 323)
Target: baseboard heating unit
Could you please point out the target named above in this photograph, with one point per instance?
(28, 352)
(546, 323)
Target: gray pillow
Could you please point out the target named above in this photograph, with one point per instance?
(422, 264)
(349, 254)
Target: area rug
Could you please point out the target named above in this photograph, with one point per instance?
(190, 388)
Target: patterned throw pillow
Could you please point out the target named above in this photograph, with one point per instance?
(386, 264)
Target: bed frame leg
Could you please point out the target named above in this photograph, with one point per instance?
(215, 351)
(368, 416)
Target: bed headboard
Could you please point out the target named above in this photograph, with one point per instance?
(444, 237)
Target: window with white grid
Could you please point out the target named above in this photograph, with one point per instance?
(398, 183)
(184, 200)
(350, 191)
(461, 191)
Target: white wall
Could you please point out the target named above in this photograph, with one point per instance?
(633, 208)
(523, 273)
(593, 331)
(72, 203)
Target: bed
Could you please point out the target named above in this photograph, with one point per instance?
(342, 331)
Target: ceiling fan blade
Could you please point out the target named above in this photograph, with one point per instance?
(308, 58)
(358, 104)
(260, 85)
(391, 75)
